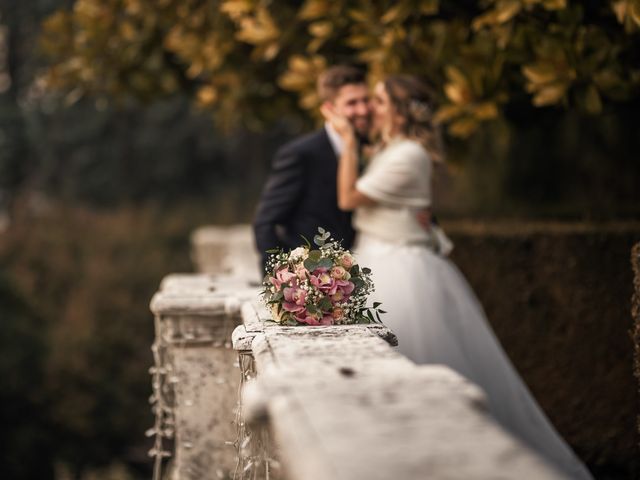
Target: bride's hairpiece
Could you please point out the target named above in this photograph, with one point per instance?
(419, 110)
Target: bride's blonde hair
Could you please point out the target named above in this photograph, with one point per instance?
(412, 100)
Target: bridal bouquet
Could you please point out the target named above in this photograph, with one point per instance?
(320, 285)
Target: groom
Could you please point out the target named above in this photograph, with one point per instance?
(300, 193)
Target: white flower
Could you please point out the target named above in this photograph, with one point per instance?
(300, 253)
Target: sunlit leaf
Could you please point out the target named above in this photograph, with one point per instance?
(237, 8)
(457, 93)
(396, 13)
(313, 9)
(463, 128)
(359, 15)
(551, 94)
(258, 29)
(456, 76)
(554, 4)
(207, 95)
(634, 11)
(447, 113)
(321, 29)
(506, 10)
(485, 110)
(540, 72)
(361, 41)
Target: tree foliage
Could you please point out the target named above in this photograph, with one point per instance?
(238, 58)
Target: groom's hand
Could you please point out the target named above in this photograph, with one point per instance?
(424, 217)
(340, 123)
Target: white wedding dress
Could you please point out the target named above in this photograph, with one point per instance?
(431, 308)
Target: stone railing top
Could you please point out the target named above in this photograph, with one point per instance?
(257, 319)
(344, 405)
(201, 294)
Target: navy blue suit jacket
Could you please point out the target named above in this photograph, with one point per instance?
(300, 196)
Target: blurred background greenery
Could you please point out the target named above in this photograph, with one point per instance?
(124, 124)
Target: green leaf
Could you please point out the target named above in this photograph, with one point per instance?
(366, 271)
(306, 240)
(310, 264)
(325, 304)
(315, 255)
(370, 315)
(325, 263)
(376, 304)
(355, 270)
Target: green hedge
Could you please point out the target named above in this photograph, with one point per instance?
(559, 299)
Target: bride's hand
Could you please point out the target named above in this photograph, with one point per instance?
(340, 123)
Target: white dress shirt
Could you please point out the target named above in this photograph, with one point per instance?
(335, 139)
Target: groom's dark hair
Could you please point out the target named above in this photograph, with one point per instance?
(334, 78)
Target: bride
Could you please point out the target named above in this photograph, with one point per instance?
(431, 308)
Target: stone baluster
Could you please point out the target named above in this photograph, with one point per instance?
(195, 372)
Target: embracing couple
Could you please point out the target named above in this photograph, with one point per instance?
(319, 180)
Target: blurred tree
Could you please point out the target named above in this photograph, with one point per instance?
(23, 407)
(506, 71)
(233, 56)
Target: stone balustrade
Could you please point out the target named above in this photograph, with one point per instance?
(342, 404)
(316, 402)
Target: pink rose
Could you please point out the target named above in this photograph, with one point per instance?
(337, 313)
(347, 261)
(338, 272)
